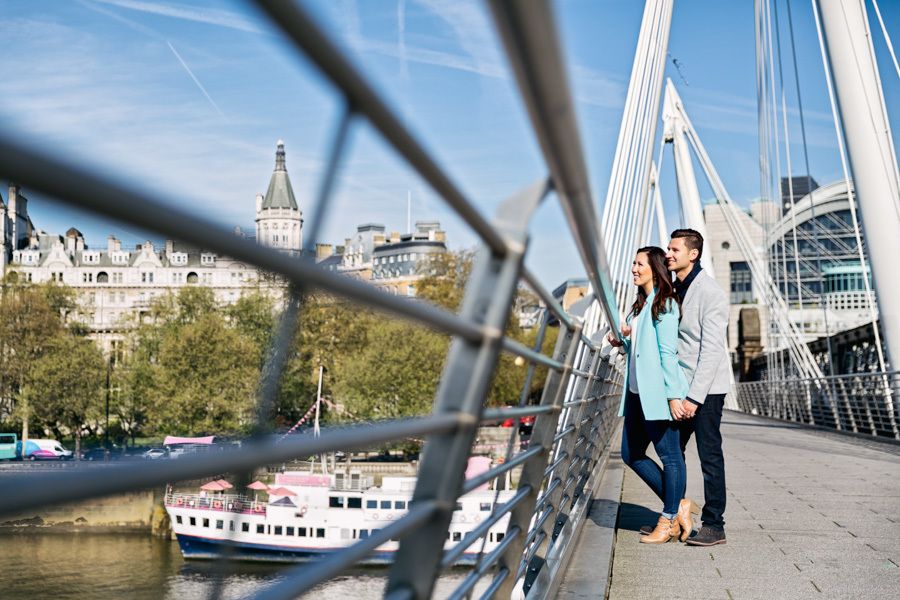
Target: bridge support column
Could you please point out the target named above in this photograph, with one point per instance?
(873, 160)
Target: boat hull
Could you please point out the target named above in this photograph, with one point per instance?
(201, 548)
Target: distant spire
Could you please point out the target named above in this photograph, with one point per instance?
(279, 157)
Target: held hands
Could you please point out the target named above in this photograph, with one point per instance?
(682, 410)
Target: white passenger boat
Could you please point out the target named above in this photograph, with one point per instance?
(308, 516)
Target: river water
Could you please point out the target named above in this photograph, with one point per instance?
(61, 566)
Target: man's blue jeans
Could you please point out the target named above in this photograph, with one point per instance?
(667, 482)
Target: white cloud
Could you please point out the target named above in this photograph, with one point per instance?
(209, 16)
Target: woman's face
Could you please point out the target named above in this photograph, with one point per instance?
(641, 272)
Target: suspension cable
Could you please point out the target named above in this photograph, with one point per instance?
(812, 205)
(887, 37)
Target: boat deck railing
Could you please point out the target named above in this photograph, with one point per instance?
(236, 503)
(574, 417)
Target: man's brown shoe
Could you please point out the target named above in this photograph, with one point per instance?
(667, 530)
(707, 536)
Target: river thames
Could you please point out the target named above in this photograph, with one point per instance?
(62, 566)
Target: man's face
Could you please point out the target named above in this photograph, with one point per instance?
(678, 256)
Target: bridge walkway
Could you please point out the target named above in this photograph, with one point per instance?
(811, 514)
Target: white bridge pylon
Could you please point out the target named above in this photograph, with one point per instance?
(681, 133)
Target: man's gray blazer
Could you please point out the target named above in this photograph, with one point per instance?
(702, 352)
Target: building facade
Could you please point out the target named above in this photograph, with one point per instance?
(813, 233)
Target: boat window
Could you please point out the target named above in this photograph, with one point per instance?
(260, 529)
(354, 502)
(289, 531)
(336, 501)
(500, 536)
(457, 536)
(278, 530)
(301, 531)
(206, 522)
(245, 527)
(230, 525)
(363, 534)
(193, 521)
(490, 537)
(220, 524)
(371, 504)
(345, 534)
(178, 519)
(458, 506)
(485, 506)
(320, 532)
(385, 504)
(400, 504)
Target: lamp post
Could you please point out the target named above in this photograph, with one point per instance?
(106, 429)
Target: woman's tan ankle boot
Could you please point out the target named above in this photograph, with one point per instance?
(685, 521)
(666, 530)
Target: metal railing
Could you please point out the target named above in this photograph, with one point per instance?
(859, 403)
(576, 415)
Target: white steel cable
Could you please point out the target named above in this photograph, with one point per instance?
(887, 37)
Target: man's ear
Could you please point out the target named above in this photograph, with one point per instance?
(693, 254)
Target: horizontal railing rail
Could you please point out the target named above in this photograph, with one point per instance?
(862, 403)
(554, 475)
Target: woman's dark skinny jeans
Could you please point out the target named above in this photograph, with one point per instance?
(669, 482)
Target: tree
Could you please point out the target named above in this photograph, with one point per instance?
(30, 317)
(64, 387)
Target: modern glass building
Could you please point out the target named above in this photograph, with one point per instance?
(816, 235)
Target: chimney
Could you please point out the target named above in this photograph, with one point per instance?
(323, 251)
(395, 237)
(170, 247)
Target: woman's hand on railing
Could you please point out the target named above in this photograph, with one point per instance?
(616, 342)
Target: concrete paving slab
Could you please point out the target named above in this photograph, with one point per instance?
(809, 515)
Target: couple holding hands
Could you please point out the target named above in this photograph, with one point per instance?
(677, 377)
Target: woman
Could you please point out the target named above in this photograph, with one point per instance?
(653, 390)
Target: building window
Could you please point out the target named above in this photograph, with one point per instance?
(102, 277)
(741, 283)
(146, 277)
(192, 277)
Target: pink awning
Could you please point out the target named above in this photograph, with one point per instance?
(172, 439)
(258, 485)
(282, 491)
(225, 485)
(212, 486)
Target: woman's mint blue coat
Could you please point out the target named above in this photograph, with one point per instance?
(655, 350)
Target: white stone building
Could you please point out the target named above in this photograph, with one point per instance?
(116, 284)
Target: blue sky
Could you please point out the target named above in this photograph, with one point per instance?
(188, 98)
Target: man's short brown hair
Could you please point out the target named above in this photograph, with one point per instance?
(692, 239)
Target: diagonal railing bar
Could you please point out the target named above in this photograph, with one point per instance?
(476, 574)
(296, 23)
(452, 555)
(519, 349)
(301, 579)
(64, 181)
(33, 491)
(528, 32)
(547, 298)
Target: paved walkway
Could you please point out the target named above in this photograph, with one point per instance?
(810, 514)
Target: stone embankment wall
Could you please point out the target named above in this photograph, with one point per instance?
(134, 511)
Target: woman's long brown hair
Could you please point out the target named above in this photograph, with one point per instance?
(662, 281)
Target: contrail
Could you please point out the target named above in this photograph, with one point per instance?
(197, 81)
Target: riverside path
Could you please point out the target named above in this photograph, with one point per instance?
(811, 514)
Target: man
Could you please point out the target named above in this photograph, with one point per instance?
(703, 354)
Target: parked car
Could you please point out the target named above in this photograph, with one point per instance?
(155, 453)
(101, 454)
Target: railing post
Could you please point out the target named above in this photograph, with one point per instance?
(533, 470)
(464, 385)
